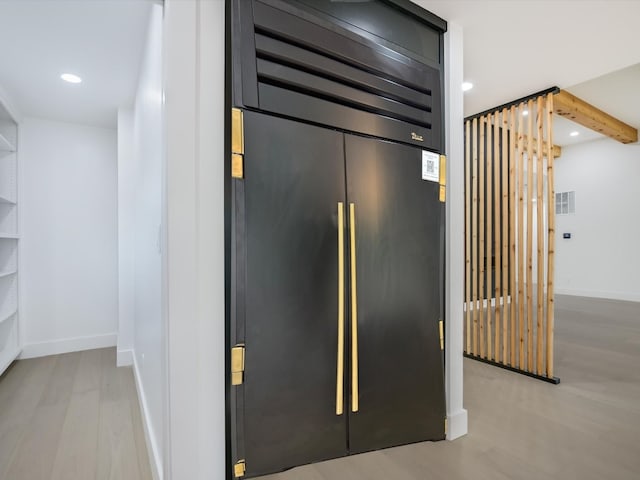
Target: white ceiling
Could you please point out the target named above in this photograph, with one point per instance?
(518, 47)
(99, 40)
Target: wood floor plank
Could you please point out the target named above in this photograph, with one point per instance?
(20, 392)
(36, 453)
(76, 456)
(117, 457)
(34, 457)
(90, 370)
(116, 443)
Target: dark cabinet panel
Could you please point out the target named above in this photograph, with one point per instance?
(294, 179)
(301, 63)
(398, 258)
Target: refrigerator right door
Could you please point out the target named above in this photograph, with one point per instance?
(395, 222)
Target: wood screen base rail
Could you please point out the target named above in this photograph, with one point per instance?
(553, 380)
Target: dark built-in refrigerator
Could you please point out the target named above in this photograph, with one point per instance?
(335, 238)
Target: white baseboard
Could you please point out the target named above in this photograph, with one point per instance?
(625, 296)
(124, 358)
(457, 425)
(65, 345)
(152, 447)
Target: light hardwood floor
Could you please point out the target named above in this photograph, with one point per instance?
(75, 416)
(588, 427)
(71, 417)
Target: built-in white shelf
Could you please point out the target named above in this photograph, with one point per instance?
(7, 357)
(6, 273)
(6, 316)
(6, 145)
(10, 342)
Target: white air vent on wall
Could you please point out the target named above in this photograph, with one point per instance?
(565, 203)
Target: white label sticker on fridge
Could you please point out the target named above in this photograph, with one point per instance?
(430, 166)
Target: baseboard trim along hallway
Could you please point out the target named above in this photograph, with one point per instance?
(155, 455)
(67, 345)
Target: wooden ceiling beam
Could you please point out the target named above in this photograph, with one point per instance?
(573, 108)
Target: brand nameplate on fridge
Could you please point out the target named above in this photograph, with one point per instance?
(430, 166)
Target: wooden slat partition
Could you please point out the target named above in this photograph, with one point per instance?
(509, 270)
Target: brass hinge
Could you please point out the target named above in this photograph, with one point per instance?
(239, 468)
(441, 325)
(237, 143)
(443, 178)
(446, 425)
(237, 365)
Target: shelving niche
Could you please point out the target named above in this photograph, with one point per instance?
(9, 238)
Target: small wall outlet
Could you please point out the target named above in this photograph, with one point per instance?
(566, 235)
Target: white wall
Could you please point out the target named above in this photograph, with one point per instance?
(194, 87)
(602, 258)
(140, 198)
(68, 252)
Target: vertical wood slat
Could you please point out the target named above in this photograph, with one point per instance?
(540, 238)
(490, 162)
(496, 237)
(467, 232)
(481, 232)
(474, 236)
(552, 236)
(512, 231)
(505, 235)
(521, 248)
(530, 236)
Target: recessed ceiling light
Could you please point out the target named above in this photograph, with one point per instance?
(71, 78)
(525, 113)
(466, 86)
(574, 134)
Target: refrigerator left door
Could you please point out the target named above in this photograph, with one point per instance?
(287, 236)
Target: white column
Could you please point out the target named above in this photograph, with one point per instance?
(194, 109)
(456, 414)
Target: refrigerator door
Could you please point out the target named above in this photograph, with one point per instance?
(398, 221)
(293, 182)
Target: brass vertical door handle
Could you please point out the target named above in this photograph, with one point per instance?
(354, 313)
(340, 368)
